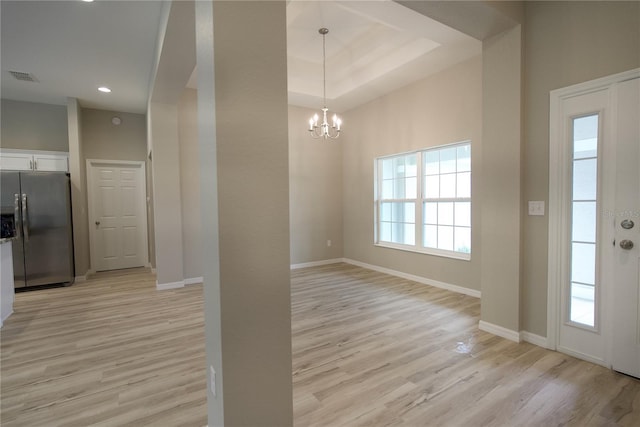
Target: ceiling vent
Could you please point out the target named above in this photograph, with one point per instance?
(25, 77)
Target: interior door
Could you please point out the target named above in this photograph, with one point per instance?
(117, 226)
(626, 330)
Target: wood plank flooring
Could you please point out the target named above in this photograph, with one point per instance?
(368, 349)
(111, 351)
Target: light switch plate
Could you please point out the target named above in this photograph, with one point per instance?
(536, 208)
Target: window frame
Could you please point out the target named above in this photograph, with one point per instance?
(419, 201)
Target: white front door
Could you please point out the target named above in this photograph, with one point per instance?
(117, 214)
(626, 272)
(594, 187)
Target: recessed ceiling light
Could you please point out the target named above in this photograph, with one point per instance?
(104, 89)
(88, 1)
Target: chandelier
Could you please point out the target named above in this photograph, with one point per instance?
(323, 130)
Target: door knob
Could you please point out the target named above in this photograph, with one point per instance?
(626, 244)
(97, 222)
(627, 224)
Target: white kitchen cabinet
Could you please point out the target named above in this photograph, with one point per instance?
(34, 160)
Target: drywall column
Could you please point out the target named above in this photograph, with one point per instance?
(166, 192)
(77, 171)
(243, 135)
(501, 161)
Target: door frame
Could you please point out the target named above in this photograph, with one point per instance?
(559, 178)
(142, 196)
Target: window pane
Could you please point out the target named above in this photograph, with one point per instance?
(387, 189)
(445, 238)
(411, 188)
(448, 185)
(583, 304)
(398, 188)
(585, 137)
(445, 213)
(430, 236)
(385, 211)
(398, 167)
(583, 263)
(430, 213)
(397, 232)
(464, 158)
(463, 240)
(448, 160)
(464, 184)
(585, 179)
(409, 234)
(385, 231)
(584, 222)
(387, 168)
(409, 212)
(463, 214)
(431, 162)
(410, 165)
(432, 187)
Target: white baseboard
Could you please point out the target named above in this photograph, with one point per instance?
(153, 270)
(316, 263)
(171, 285)
(80, 279)
(435, 283)
(193, 281)
(584, 356)
(499, 331)
(534, 339)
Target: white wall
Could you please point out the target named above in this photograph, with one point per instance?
(315, 192)
(441, 109)
(190, 184)
(101, 139)
(565, 43)
(34, 126)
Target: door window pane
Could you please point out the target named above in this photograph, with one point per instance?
(582, 286)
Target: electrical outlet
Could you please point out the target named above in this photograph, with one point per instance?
(328, 243)
(212, 380)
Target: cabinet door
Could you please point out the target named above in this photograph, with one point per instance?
(50, 162)
(16, 161)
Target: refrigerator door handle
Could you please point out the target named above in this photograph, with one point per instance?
(17, 223)
(25, 218)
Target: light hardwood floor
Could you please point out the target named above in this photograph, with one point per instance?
(368, 349)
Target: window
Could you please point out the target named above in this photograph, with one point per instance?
(432, 186)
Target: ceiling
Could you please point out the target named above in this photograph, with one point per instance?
(72, 47)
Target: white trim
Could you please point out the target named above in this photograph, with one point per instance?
(92, 163)
(171, 285)
(34, 152)
(584, 356)
(435, 283)
(153, 270)
(193, 281)
(499, 331)
(534, 339)
(80, 279)
(317, 263)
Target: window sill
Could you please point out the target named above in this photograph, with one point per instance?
(436, 252)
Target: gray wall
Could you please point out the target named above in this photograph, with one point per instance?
(190, 184)
(441, 109)
(34, 126)
(245, 204)
(315, 192)
(565, 43)
(103, 140)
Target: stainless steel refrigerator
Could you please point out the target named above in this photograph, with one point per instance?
(39, 206)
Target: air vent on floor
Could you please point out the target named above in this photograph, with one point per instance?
(25, 77)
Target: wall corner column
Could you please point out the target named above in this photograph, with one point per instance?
(501, 207)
